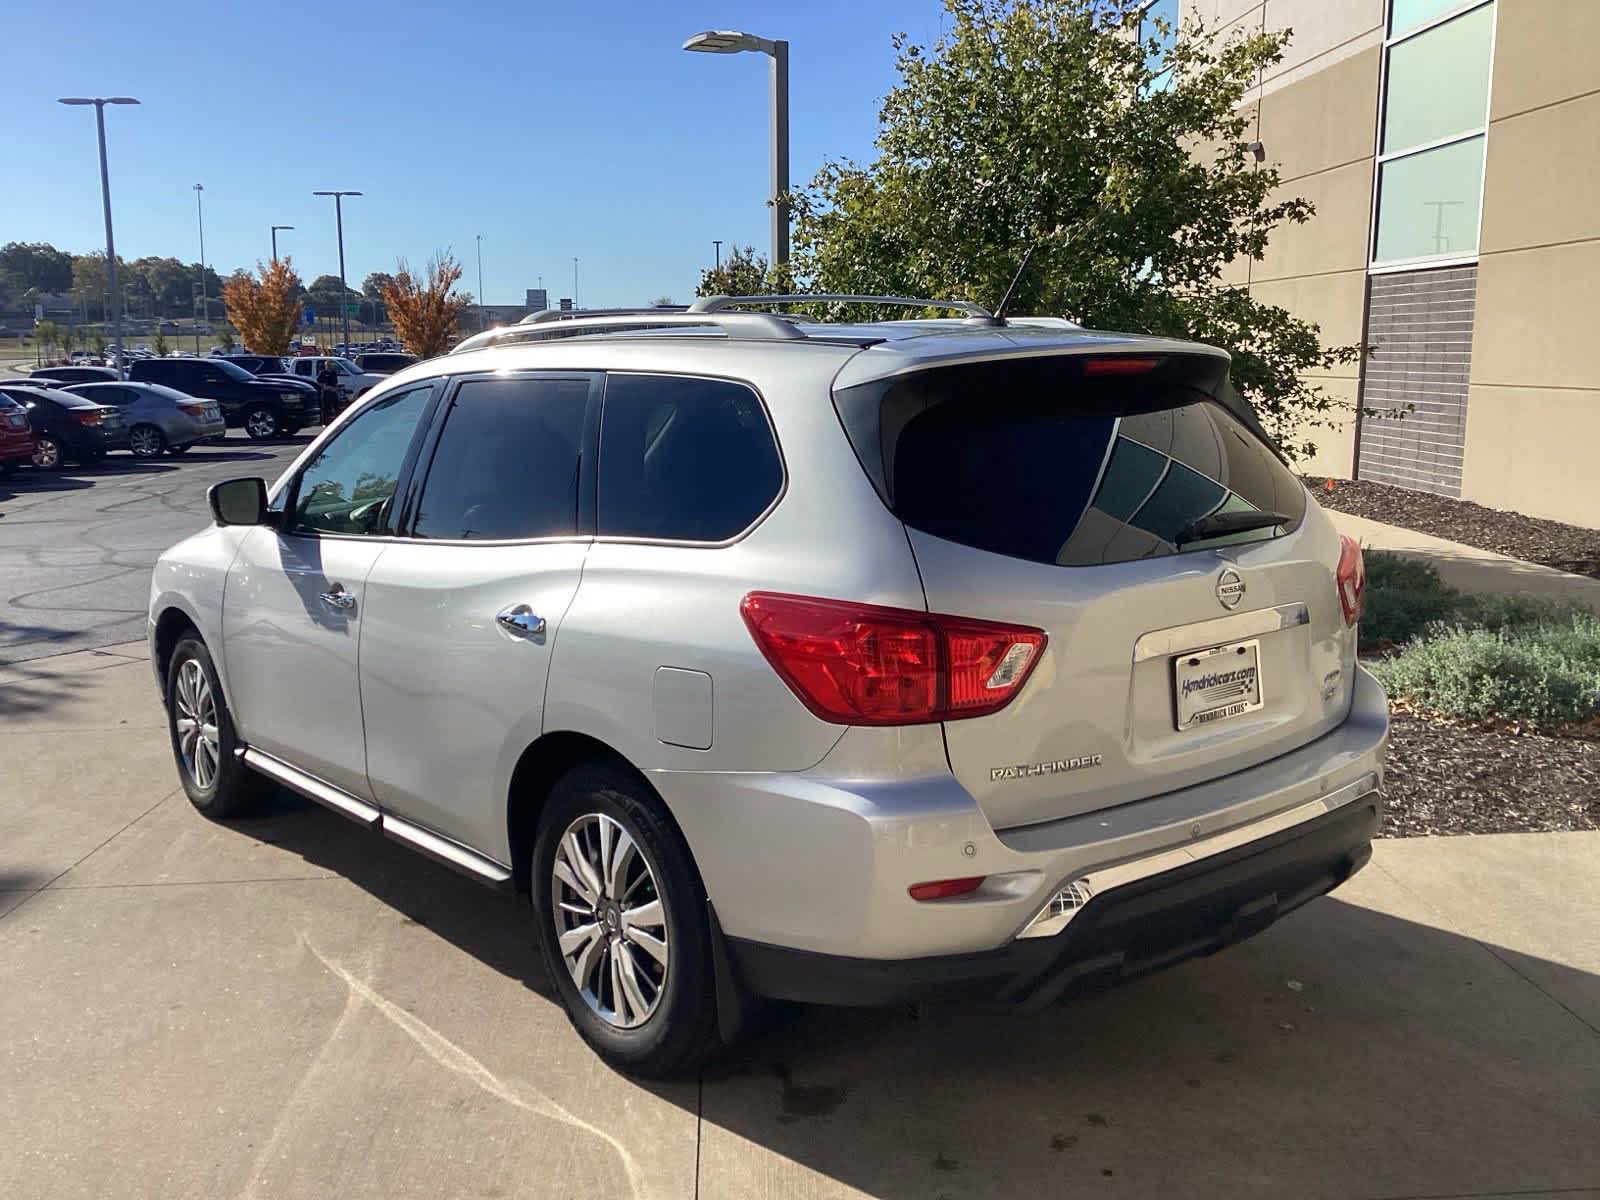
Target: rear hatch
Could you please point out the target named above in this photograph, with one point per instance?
(1127, 504)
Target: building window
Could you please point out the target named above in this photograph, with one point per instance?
(1435, 112)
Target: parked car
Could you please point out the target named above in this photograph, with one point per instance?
(265, 409)
(258, 364)
(52, 377)
(160, 420)
(272, 369)
(67, 427)
(383, 363)
(353, 381)
(16, 436)
(847, 664)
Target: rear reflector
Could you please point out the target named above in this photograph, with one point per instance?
(1351, 578)
(1119, 365)
(944, 889)
(865, 664)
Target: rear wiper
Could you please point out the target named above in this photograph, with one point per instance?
(1219, 523)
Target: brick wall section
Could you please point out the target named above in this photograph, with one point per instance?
(1419, 324)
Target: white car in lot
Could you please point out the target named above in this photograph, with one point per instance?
(842, 663)
(353, 381)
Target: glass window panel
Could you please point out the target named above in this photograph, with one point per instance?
(1408, 14)
(1428, 202)
(1439, 82)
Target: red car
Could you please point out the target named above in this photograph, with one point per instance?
(16, 437)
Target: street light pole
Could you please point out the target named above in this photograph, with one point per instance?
(729, 41)
(482, 324)
(275, 229)
(344, 288)
(575, 282)
(717, 248)
(105, 197)
(205, 298)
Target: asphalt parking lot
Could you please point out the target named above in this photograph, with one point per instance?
(77, 545)
(292, 1006)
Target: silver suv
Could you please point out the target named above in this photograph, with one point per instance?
(841, 663)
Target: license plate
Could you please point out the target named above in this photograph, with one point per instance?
(1216, 684)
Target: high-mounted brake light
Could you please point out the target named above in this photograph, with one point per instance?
(1119, 365)
(865, 664)
(1351, 578)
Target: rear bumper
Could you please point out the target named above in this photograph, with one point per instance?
(1153, 922)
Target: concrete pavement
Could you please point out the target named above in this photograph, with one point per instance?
(1469, 568)
(291, 1006)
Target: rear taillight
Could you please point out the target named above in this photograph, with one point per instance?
(864, 664)
(194, 410)
(1351, 579)
(89, 416)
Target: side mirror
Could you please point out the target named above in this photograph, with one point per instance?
(239, 501)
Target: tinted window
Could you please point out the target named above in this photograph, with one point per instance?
(349, 485)
(1036, 461)
(684, 459)
(231, 370)
(507, 461)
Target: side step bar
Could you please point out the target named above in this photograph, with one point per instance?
(441, 849)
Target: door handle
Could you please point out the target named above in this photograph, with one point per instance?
(520, 620)
(338, 598)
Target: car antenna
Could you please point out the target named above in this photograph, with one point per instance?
(1005, 301)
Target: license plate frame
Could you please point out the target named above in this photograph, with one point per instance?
(1238, 692)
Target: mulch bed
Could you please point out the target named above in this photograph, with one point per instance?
(1446, 776)
(1532, 539)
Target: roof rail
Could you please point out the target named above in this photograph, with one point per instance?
(578, 314)
(752, 327)
(712, 304)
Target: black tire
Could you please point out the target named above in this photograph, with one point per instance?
(262, 423)
(146, 441)
(48, 452)
(680, 1031)
(231, 789)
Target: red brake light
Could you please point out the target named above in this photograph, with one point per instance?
(194, 410)
(944, 889)
(864, 664)
(88, 416)
(1119, 365)
(1351, 578)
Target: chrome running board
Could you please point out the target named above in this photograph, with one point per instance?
(325, 794)
(443, 850)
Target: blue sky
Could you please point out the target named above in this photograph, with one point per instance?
(552, 129)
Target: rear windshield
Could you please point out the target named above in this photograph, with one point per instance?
(1037, 459)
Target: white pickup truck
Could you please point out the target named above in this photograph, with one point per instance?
(352, 380)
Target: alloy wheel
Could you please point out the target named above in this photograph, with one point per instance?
(145, 441)
(611, 920)
(261, 424)
(196, 723)
(46, 453)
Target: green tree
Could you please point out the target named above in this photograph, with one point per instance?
(35, 266)
(1124, 166)
(742, 273)
(159, 343)
(224, 339)
(97, 341)
(48, 335)
(372, 287)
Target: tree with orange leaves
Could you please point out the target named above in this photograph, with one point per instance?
(422, 308)
(266, 313)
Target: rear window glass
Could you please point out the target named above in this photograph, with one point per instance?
(1037, 461)
(684, 459)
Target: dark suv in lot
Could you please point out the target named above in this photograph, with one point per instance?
(264, 408)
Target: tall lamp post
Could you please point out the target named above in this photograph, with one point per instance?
(716, 247)
(205, 298)
(344, 288)
(575, 282)
(482, 323)
(729, 41)
(275, 229)
(100, 103)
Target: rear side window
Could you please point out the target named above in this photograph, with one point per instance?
(684, 459)
(507, 464)
(1041, 461)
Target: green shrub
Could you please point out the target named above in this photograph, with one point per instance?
(1543, 667)
(1404, 597)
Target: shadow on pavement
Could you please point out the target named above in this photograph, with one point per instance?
(1344, 1052)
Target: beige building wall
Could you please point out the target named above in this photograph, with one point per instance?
(1316, 116)
(1533, 412)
